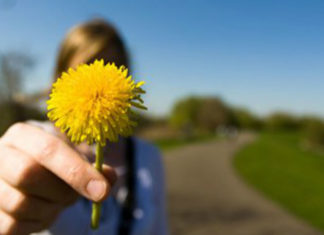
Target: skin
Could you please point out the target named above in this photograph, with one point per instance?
(40, 175)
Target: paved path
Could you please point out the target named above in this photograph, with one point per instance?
(206, 197)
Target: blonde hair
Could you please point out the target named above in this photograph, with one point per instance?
(86, 41)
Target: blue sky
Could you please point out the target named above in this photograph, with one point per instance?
(264, 55)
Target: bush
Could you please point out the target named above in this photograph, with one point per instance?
(244, 119)
(199, 114)
(212, 114)
(184, 115)
(282, 121)
(314, 133)
(184, 112)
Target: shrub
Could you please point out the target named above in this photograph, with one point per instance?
(244, 119)
(282, 121)
(314, 132)
(184, 113)
(212, 114)
(202, 114)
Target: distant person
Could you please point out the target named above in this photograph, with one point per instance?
(42, 174)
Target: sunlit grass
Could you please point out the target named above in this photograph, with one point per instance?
(277, 165)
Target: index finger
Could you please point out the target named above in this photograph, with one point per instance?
(59, 158)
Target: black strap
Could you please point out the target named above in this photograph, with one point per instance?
(126, 218)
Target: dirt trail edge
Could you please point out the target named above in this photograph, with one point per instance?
(207, 197)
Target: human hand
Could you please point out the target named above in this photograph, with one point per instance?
(40, 175)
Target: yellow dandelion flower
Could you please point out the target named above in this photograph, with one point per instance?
(92, 103)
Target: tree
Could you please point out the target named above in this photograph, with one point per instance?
(212, 114)
(13, 66)
(313, 129)
(282, 121)
(185, 112)
(199, 114)
(244, 119)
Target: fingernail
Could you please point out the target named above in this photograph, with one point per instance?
(96, 189)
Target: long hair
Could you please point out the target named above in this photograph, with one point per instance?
(94, 39)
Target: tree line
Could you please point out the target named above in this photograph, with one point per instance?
(199, 114)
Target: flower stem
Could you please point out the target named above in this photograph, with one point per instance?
(96, 206)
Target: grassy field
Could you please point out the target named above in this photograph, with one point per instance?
(277, 166)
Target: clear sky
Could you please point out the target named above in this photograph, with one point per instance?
(264, 55)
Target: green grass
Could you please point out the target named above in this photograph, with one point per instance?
(277, 166)
(167, 144)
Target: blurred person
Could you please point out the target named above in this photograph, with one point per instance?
(42, 174)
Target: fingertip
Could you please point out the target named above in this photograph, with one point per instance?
(97, 190)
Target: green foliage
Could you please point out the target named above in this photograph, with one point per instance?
(244, 119)
(314, 132)
(282, 121)
(185, 112)
(212, 113)
(199, 114)
(276, 165)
